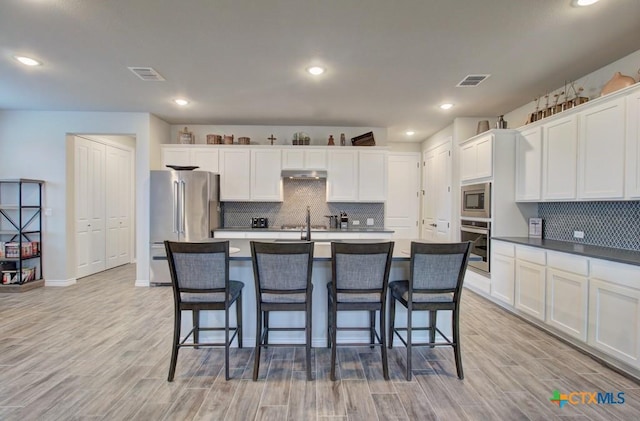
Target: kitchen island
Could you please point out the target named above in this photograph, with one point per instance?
(241, 269)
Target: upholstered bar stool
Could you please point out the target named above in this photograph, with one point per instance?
(282, 274)
(200, 280)
(435, 283)
(359, 280)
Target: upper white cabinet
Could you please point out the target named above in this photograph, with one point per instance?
(559, 161)
(235, 170)
(601, 151)
(266, 183)
(476, 158)
(342, 175)
(372, 176)
(304, 159)
(632, 178)
(529, 165)
(206, 158)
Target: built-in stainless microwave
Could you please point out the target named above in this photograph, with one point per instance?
(476, 200)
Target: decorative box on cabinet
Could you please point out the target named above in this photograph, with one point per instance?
(20, 234)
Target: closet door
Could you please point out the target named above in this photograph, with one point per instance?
(90, 206)
(118, 206)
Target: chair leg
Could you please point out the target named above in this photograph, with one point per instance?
(256, 361)
(329, 311)
(308, 323)
(175, 347)
(383, 348)
(266, 328)
(432, 324)
(239, 320)
(409, 313)
(334, 330)
(392, 320)
(372, 328)
(196, 327)
(226, 342)
(456, 341)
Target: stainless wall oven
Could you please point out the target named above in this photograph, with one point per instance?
(476, 200)
(479, 233)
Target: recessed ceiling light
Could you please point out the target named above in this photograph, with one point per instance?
(315, 70)
(446, 106)
(27, 61)
(181, 102)
(410, 132)
(584, 2)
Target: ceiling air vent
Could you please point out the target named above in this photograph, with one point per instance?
(146, 73)
(471, 81)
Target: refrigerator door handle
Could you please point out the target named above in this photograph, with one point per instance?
(175, 206)
(182, 205)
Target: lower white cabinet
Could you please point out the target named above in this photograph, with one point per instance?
(530, 288)
(503, 271)
(567, 298)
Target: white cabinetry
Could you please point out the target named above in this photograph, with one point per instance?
(601, 151)
(266, 183)
(476, 160)
(529, 165)
(632, 177)
(502, 271)
(304, 159)
(342, 175)
(235, 170)
(614, 310)
(530, 281)
(372, 176)
(560, 147)
(204, 157)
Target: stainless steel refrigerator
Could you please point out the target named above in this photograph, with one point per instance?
(185, 206)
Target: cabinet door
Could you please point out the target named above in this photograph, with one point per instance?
(567, 298)
(529, 165)
(632, 178)
(614, 320)
(266, 183)
(502, 278)
(468, 161)
(175, 156)
(315, 159)
(530, 288)
(205, 158)
(484, 157)
(601, 152)
(559, 160)
(118, 206)
(235, 178)
(372, 176)
(402, 208)
(342, 176)
(292, 159)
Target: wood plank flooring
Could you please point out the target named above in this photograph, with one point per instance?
(99, 350)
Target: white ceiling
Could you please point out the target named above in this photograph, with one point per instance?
(389, 63)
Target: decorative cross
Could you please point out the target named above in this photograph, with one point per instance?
(272, 138)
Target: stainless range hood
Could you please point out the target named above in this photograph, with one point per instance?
(304, 174)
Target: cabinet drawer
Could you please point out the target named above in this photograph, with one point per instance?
(533, 255)
(568, 263)
(617, 273)
(505, 249)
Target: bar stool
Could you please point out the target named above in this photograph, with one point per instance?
(360, 276)
(435, 283)
(200, 281)
(282, 274)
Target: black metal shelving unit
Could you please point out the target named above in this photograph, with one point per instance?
(21, 226)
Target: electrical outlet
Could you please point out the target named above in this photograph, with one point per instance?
(578, 234)
(355, 222)
(369, 221)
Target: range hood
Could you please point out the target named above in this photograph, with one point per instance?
(304, 174)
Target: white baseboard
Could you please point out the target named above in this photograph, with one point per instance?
(59, 282)
(142, 283)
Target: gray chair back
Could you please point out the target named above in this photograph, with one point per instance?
(282, 266)
(438, 268)
(361, 266)
(198, 267)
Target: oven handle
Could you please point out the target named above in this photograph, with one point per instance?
(474, 230)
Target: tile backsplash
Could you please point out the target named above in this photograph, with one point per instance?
(608, 224)
(297, 195)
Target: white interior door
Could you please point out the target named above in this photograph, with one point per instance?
(403, 201)
(429, 196)
(118, 206)
(443, 192)
(90, 206)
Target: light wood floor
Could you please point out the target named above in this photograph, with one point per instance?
(99, 350)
